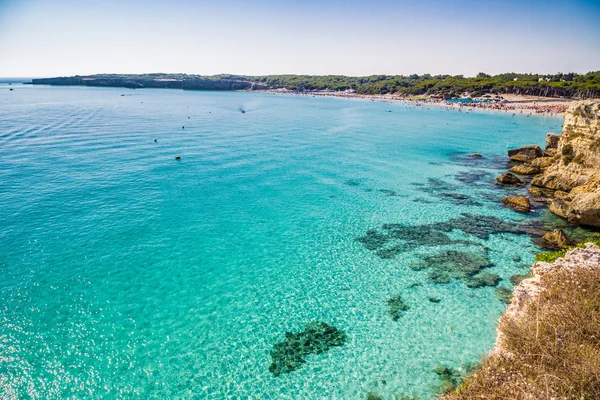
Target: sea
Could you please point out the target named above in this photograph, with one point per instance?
(127, 272)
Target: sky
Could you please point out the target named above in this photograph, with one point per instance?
(46, 38)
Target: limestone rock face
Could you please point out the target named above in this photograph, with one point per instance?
(576, 167)
(518, 203)
(525, 154)
(525, 169)
(552, 140)
(584, 209)
(509, 179)
(559, 207)
(526, 292)
(542, 162)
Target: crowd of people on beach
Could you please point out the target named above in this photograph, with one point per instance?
(469, 105)
(530, 108)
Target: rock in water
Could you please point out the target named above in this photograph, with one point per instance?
(475, 155)
(557, 239)
(518, 203)
(316, 338)
(509, 179)
(525, 169)
(526, 154)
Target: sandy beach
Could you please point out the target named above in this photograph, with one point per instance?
(502, 103)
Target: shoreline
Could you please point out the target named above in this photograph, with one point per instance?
(517, 104)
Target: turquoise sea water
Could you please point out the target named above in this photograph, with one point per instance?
(128, 274)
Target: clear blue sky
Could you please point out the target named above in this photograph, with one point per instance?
(66, 37)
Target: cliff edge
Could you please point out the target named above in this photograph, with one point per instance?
(548, 344)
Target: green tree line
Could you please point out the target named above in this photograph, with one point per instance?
(571, 85)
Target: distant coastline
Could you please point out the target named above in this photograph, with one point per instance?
(557, 86)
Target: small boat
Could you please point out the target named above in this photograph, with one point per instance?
(11, 89)
(243, 111)
(178, 157)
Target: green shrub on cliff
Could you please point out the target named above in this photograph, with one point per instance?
(553, 255)
(550, 350)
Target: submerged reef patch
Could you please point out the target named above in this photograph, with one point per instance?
(397, 307)
(316, 338)
(498, 162)
(467, 266)
(473, 176)
(504, 294)
(388, 192)
(351, 182)
(459, 199)
(395, 239)
(450, 378)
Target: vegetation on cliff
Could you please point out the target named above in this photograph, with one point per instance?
(569, 85)
(554, 255)
(548, 343)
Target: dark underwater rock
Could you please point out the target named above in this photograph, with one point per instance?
(516, 279)
(397, 307)
(482, 226)
(473, 176)
(439, 185)
(398, 238)
(373, 240)
(504, 294)
(450, 378)
(464, 265)
(391, 252)
(497, 162)
(482, 279)
(316, 338)
(460, 199)
(388, 192)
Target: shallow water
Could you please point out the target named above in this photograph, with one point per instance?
(126, 273)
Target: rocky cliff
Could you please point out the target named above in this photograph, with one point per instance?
(570, 166)
(548, 343)
(526, 293)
